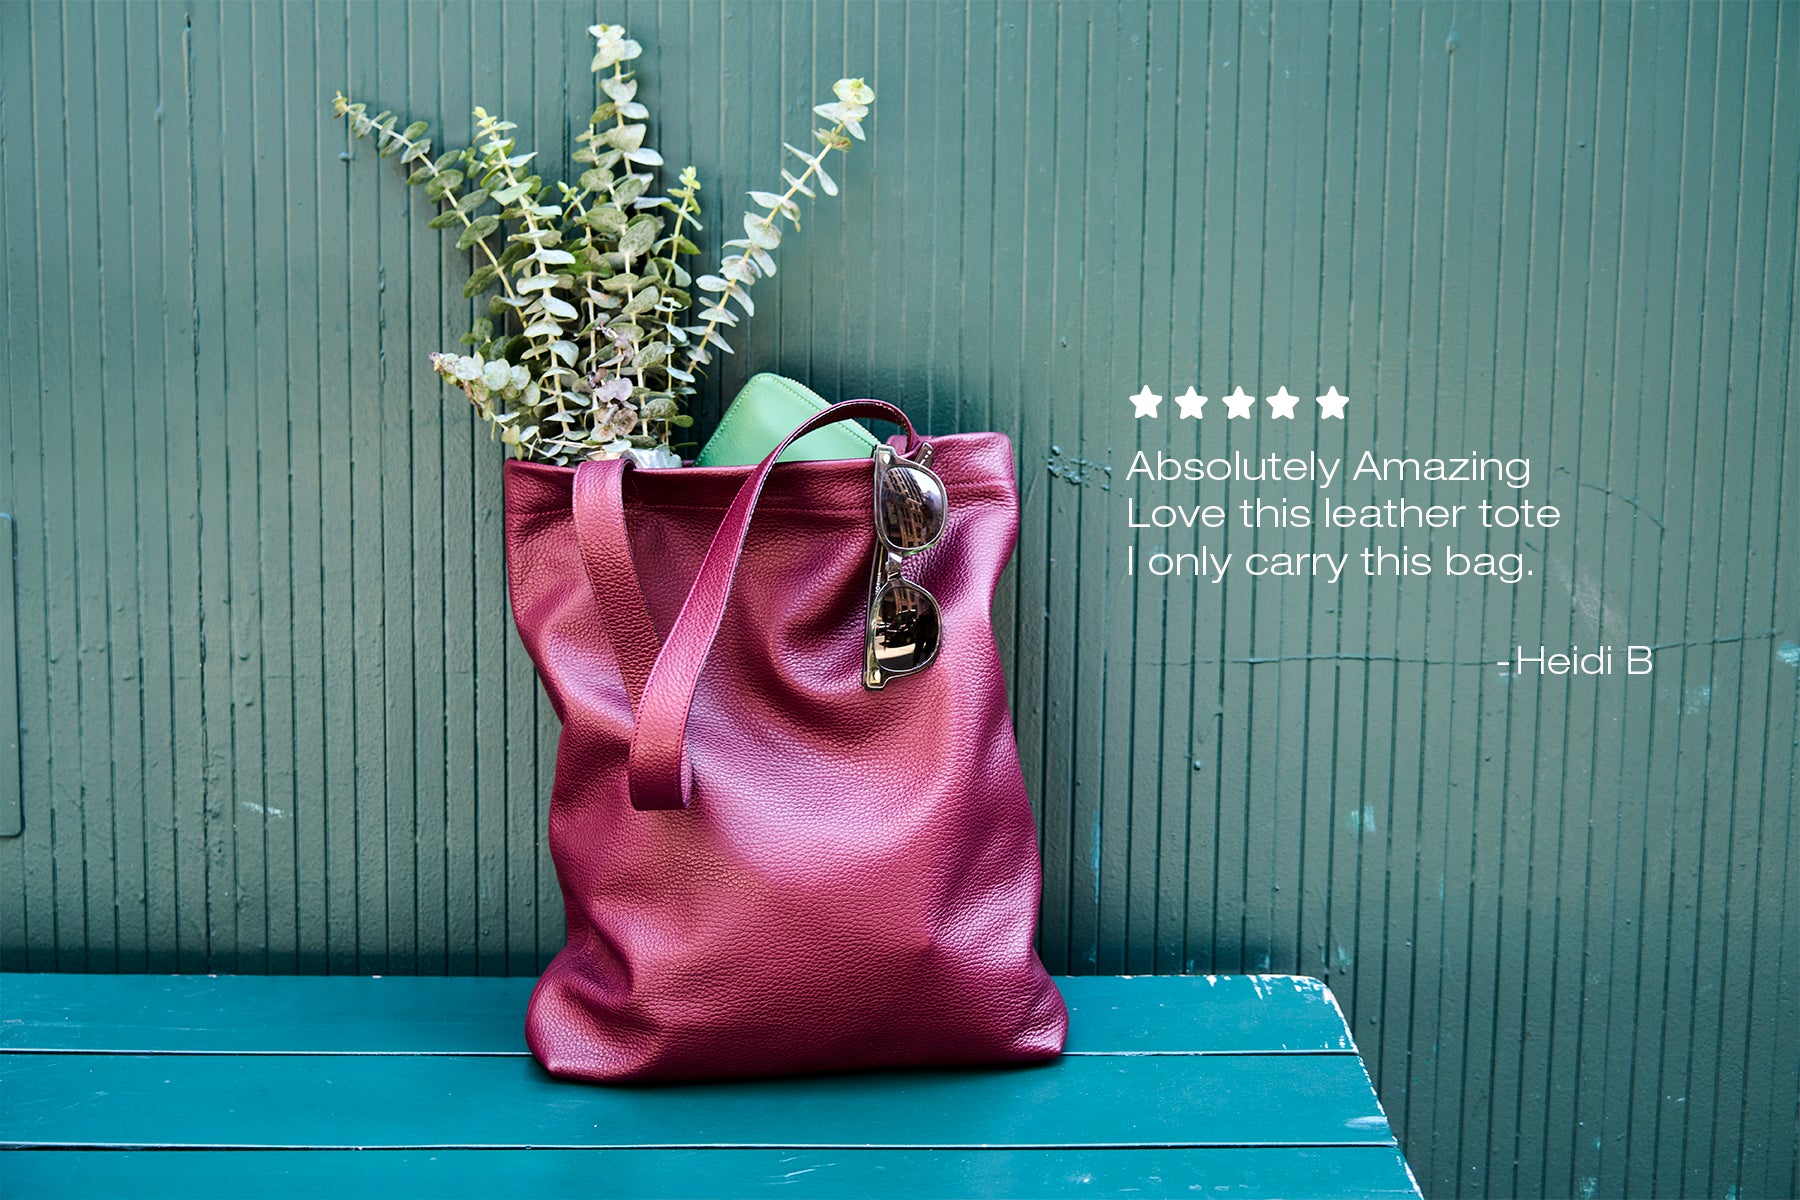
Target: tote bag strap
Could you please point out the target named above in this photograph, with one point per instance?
(660, 680)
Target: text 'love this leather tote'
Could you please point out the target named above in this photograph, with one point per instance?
(767, 866)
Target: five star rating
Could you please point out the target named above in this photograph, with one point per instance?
(1239, 404)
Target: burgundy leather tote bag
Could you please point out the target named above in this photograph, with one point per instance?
(768, 868)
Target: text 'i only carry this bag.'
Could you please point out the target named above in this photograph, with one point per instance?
(788, 817)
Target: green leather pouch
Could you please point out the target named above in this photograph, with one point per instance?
(768, 409)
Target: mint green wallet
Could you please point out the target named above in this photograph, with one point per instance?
(768, 409)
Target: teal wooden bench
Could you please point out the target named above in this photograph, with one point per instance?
(234, 1086)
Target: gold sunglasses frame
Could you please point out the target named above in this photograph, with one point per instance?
(886, 562)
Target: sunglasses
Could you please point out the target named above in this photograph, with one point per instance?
(904, 626)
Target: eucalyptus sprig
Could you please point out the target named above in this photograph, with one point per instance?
(737, 272)
(584, 351)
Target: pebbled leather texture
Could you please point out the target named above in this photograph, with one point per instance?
(766, 868)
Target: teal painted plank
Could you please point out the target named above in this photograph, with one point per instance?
(314, 1014)
(61, 895)
(488, 615)
(1032, 55)
(1692, 505)
(1649, 270)
(1128, 813)
(22, 424)
(1070, 755)
(234, 631)
(151, 587)
(12, 811)
(81, 516)
(273, 627)
(179, 299)
(113, 545)
(302, 285)
(1324, 1174)
(1160, 837)
(430, 589)
(1765, 1129)
(212, 427)
(391, 641)
(1480, 617)
(378, 346)
(342, 378)
(300, 1101)
(457, 456)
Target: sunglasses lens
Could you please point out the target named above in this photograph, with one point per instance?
(909, 506)
(906, 629)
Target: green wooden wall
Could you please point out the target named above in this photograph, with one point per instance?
(272, 715)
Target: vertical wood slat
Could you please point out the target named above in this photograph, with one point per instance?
(273, 716)
(18, 480)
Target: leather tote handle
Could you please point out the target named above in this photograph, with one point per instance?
(660, 681)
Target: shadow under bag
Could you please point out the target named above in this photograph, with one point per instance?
(768, 867)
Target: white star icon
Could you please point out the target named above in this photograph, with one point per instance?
(1191, 403)
(1281, 404)
(1239, 405)
(1146, 402)
(1332, 405)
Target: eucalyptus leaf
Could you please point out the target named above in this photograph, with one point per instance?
(480, 280)
(637, 237)
(606, 218)
(442, 183)
(625, 138)
(761, 231)
(478, 229)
